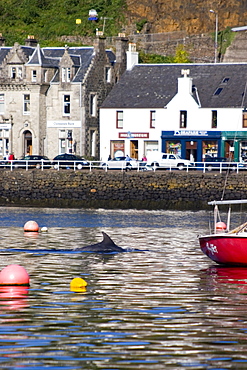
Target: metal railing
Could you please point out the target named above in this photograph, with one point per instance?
(138, 166)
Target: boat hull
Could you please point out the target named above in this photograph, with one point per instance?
(227, 249)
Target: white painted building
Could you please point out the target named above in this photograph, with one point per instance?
(194, 110)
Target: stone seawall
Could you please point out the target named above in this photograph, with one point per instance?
(111, 190)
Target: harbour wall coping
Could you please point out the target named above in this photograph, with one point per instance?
(115, 189)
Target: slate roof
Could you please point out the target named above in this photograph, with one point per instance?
(154, 85)
(3, 52)
(51, 56)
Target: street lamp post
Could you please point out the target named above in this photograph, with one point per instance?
(216, 35)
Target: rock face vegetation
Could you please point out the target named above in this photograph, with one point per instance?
(49, 20)
(192, 16)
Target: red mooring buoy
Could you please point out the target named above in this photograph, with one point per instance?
(31, 226)
(221, 226)
(14, 275)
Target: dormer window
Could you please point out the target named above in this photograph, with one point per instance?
(66, 74)
(16, 72)
(19, 72)
(13, 72)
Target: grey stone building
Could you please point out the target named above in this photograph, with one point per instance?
(50, 97)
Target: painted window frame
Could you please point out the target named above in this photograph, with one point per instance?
(214, 122)
(152, 118)
(119, 119)
(108, 74)
(66, 105)
(93, 104)
(34, 75)
(183, 119)
(66, 74)
(2, 103)
(26, 104)
(244, 121)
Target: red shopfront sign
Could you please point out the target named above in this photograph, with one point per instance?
(134, 135)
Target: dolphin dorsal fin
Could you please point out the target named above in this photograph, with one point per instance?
(107, 239)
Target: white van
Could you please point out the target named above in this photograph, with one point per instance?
(167, 160)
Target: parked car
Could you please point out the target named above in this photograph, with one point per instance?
(69, 161)
(217, 163)
(121, 163)
(167, 160)
(30, 161)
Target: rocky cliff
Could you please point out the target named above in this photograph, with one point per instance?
(192, 16)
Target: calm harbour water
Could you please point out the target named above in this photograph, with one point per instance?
(165, 307)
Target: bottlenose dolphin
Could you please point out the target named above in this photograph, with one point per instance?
(106, 246)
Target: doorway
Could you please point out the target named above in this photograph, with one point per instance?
(191, 150)
(28, 143)
(134, 149)
(229, 150)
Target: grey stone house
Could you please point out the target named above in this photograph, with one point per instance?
(50, 97)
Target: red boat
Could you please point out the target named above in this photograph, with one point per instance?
(225, 246)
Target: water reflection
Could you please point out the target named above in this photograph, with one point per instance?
(165, 307)
(13, 297)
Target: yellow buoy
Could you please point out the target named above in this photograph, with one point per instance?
(78, 285)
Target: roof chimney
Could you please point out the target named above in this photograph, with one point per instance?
(132, 56)
(31, 41)
(121, 57)
(99, 45)
(2, 40)
(185, 82)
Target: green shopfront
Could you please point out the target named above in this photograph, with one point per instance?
(234, 145)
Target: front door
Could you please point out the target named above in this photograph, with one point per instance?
(28, 143)
(191, 150)
(134, 149)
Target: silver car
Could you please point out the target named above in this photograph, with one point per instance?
(120, 163)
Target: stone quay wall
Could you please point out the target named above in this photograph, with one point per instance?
(114, 189)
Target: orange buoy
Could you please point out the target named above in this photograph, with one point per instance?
(221, 226)
(31, 226)
(14, 275)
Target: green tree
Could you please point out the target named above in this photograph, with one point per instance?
(181, 56)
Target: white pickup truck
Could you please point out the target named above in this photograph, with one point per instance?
(167, 160)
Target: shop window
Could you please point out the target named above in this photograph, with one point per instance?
(2, 107)
(243, 151)
(183, 119)
(245, 120)
(119, 119)
(209, 149)
(26, 104)
(66, 105)
(173, 147)
(152, 118)
(117, 148)
(214, 118)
